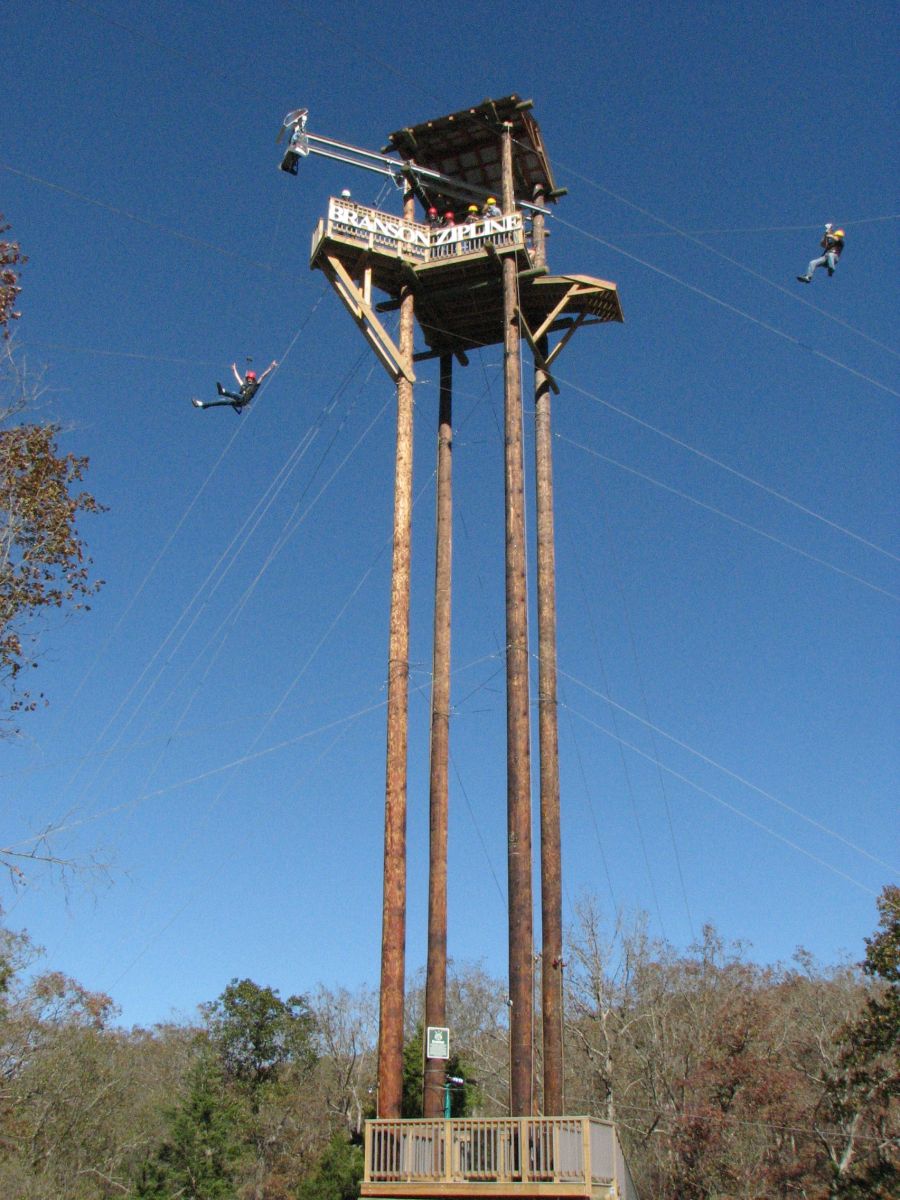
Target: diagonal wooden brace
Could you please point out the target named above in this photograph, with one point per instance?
(360, 308)
(551, 317)
(539, 359)
(560, 345)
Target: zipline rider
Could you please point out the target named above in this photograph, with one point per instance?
(249, 385)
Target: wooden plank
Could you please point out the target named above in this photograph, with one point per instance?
(364, 314)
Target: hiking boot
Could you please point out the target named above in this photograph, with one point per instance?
(804, 278)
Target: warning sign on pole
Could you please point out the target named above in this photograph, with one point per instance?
(437, 1042)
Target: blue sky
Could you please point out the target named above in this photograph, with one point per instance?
(724, 462)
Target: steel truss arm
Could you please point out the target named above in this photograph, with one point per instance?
(400, 172)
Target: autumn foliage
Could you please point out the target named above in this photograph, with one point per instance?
(43, 564)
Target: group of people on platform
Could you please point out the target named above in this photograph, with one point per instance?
(448, 219)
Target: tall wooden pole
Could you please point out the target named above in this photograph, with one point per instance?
(436, 976)
(518, 757)
(551, 849)
(393, 935)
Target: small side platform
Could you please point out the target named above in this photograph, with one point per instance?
(504, 1158)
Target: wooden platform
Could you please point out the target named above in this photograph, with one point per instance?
(498, 1157)
(456, 274)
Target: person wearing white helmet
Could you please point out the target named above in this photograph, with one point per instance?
(248, 384)
(832, 244)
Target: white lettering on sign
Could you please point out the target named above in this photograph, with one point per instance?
(369, 220)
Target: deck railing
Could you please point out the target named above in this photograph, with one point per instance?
(511, 1152)
(374, 230)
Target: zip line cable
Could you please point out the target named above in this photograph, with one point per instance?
(155, 564)
(216, 800)
(674, 231)
(156, 225)
(590, 802)
(727, 516)
(623, 412)
(731, 774)
(98, 352)
(230, 620)
(596, 640)
(681, 233)
(788, 337)
(630, 792)
(184, 516)
(692, 237)
(233, 615)
(251, 754)
(731, 807)
(650, 266)
(711, 459)
(284, 473)
(224, 629)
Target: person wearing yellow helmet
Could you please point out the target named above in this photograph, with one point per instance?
(491, 208)
(832, 244)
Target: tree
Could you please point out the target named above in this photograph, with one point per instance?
(44, 566)
(256, 1033)
(11, 259)
(200, 1158)
(861, 1110)
(338, 1173)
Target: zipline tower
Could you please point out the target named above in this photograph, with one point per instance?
(470, 283)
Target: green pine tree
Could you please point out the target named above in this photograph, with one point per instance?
(338, 1174)
(200, 1158)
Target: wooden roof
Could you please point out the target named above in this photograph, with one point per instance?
(466, 146)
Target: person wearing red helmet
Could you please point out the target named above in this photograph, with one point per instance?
(248, 386)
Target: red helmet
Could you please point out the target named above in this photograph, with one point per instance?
(251, 376)
(432, 212)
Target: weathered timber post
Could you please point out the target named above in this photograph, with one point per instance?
(393, 936)
(436, 974)
(551, 850)
(518, 757)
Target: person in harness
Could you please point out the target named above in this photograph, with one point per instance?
(832, 245)
(249, 385)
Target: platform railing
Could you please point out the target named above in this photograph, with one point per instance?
(511, 1152)
(371, 229)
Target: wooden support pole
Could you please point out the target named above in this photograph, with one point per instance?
(518, 754)
(548, 732)
(393, 936)
(436, 971)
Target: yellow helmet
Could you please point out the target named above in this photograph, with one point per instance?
(492, 199)
(839, 233)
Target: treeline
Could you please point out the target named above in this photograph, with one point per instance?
(726, 1079)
